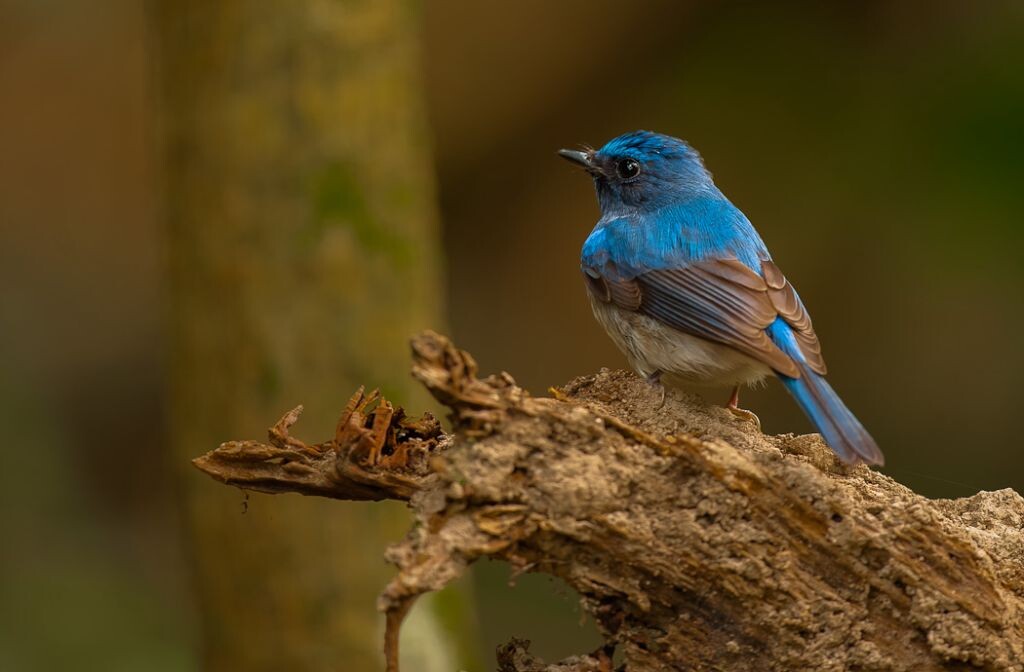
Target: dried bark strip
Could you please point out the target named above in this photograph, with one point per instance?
(695, 542)
(376, 453)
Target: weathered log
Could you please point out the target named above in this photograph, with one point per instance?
(694, 541)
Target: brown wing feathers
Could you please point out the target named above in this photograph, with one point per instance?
(785, 300)
(623, 293)
(723, 301)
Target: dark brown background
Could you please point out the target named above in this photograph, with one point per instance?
(878, 147)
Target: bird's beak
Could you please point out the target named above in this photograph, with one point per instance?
(583, 159)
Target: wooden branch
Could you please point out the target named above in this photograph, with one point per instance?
(376, 453)
(694, 541)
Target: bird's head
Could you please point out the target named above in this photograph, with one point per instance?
(642, 170)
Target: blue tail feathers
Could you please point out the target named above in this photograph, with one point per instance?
(841, 429)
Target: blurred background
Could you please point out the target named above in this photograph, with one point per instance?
(202, 206)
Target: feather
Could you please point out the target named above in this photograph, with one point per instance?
(721, 300)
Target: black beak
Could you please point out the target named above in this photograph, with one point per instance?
(583, 159)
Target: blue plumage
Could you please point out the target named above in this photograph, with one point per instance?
(676, 233)
(684, 285)
(816, 398)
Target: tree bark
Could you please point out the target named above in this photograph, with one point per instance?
(694, 541)
(303, 235)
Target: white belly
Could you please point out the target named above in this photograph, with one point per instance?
(651, 346)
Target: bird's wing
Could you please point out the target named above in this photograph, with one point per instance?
(720, 300)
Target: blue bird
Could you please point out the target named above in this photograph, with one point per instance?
(685, 286)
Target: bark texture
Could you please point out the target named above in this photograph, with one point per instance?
(303, 235)
(694, 541)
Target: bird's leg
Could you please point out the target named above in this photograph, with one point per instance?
(734, 407)
(654, 380)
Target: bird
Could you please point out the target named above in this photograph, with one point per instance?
(683, 284)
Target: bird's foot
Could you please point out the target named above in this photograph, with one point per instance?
(733, 406)
(654, 380)
(744, 414)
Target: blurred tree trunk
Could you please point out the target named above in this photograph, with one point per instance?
(299, 192)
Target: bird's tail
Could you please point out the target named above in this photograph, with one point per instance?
(841, 429)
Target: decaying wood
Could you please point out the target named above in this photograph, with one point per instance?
(376, 453)
(694, 541)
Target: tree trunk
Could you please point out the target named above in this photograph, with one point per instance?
(303, 235)
(694, 541)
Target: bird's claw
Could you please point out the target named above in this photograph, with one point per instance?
(661, 400)
(654, 380)
(744, 414)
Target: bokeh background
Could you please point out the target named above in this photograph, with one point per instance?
(878, 147)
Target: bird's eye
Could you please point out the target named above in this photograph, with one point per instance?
(628, 168)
